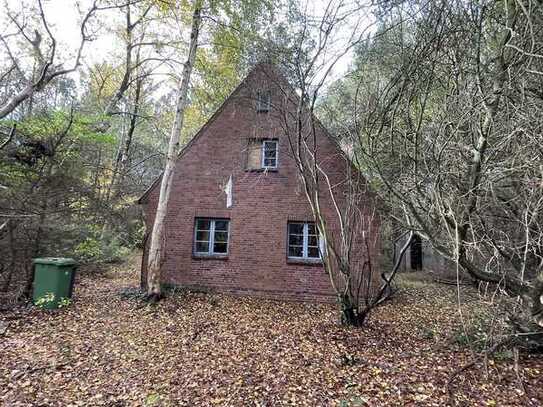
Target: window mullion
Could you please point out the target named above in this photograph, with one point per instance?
(305, 241)
(211, 236)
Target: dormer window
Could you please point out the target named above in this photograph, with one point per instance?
(263, 101)
(262, 154)
(269, 154)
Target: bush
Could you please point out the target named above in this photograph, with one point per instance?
(106, 250)
(474, 334)
(88, 250)
(481, 330)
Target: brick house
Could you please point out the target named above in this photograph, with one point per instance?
(238, 220)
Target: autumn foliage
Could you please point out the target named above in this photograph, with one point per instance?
(111, 348)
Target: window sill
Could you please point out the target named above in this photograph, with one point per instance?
(261, 170)
(209, 257)
(305, 262)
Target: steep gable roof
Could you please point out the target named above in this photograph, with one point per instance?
(199, 133)
(271, 71)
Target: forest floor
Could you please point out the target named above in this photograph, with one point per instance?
(109, 348)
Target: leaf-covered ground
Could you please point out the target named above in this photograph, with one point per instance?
(198, 350)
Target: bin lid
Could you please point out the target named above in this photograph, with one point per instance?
(56, 261)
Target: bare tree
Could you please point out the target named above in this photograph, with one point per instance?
(350, 250)
(451, 128)
(46, 67)
(132, 45)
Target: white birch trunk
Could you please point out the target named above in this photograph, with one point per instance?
(156, 246)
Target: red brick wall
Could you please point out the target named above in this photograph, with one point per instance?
(263, 203)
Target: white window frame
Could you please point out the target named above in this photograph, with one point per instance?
(211, 241)
(263, 154)
(305, 243)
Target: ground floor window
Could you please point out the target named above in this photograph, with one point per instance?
(211, 237)
(304, 241)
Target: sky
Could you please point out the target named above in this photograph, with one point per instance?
(65, 19)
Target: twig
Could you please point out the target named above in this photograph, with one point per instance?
(449, 282)
(10, 137)
(517, 370)
(468, 366)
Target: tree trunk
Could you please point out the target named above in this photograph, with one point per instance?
(13, 255)
(117, 183)
(156, 247)
(114, 189)
(349, 312)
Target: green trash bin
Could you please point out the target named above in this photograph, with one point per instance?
(53, 281)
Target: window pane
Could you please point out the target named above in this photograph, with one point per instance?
(220, 248)
(221, 237)
(297, 228)
(202, 247)
(221, 225)
(270, 149)
(202, 235)
(202, 224)
(208, 243)
(295, 251)
(297, 240)
(313, 252)
(311, 229)
(263, 101)
(313, 240)
(269, 153)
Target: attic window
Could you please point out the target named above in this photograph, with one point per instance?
(262, 154)
(269, 154)
(263, 101)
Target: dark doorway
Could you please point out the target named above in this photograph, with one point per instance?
(416, 253)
